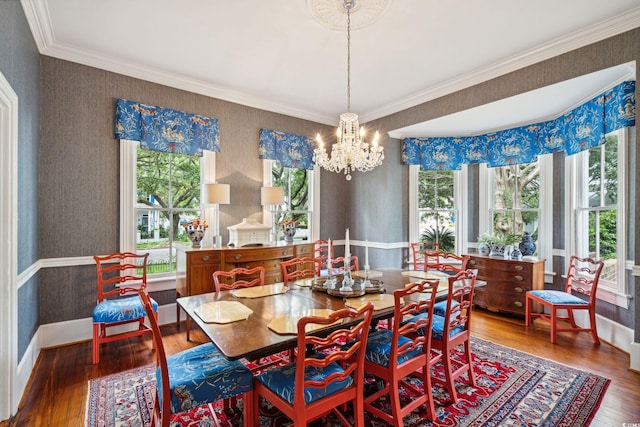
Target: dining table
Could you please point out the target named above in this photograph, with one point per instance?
(258, 322)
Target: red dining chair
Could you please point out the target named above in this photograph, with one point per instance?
(424, 253)
(315, 385)
(393, 355)
(337, 265)
(452, 329)
(238, 278)
(448, 262)
(299, 268)
(582, 279)
(194, 377)
(119, 277)
(324, 251)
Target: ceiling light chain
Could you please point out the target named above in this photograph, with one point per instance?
(349, 153)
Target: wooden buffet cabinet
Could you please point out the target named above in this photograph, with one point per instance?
(195, 266)
(507, 282)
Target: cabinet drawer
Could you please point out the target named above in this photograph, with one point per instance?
(258, 254)
(269, 265)
(497, 275)
(304, 250)
(272, 277)
(200, 258)
(485, 264)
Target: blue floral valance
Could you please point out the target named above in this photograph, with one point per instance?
(292, 151)
(163, 129)
(578, 130)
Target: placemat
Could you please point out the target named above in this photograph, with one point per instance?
(260, 291)
(223, 312)
(288, 324)
(379, 301)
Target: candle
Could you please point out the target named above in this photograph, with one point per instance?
(329, 254)
(366, 252)
(347, 249)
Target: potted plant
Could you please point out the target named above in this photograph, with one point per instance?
(486, 242)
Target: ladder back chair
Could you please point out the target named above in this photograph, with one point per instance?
(324, 251)
(194, 377)
(452, 329)
(314, 384)
(424, 253)
(393, 355)
(582, 279)
(119, 276)
(238, 278)
(300, 268)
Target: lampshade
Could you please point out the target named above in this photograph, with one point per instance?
(218, 194)
(272, 195)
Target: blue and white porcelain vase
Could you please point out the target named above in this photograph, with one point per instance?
(515, 254)
(289, 230)
(527, 245)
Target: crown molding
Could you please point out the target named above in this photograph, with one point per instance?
(39, 21)
(608, 28)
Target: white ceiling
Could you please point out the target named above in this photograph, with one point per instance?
(273, 54)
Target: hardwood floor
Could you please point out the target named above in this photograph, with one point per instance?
(56, 393)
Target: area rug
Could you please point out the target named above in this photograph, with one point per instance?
(512, 388)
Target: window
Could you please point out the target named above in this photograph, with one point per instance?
(599, 207)
(434, 201)
(516, 201)
(436, 208)
(160, 192)
(298, 202)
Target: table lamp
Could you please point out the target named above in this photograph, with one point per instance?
(273, 197)
(218, 194)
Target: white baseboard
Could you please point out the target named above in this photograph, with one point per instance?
(614, 333)
(634, 356)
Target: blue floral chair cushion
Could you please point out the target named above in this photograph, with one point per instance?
(281, 380)
(202, 375)
(558, 297)
(441, 308)
(379, 348)
(437, 328)
(120, 309)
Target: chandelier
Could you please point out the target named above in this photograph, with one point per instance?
(350, 152)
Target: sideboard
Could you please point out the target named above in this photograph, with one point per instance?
(507, 282)
(195, 266)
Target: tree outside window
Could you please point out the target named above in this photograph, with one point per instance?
(296, 197)
(436, 210)
(516, 201)
(168, 195)
(598, 207)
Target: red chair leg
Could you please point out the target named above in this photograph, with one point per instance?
(554, 321)
(96, 344)
(594, 330)
(448, 375)
(528, 311)
(467, 352)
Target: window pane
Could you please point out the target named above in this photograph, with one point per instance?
(438, 226)
(168, 195)
(435, 189)
(296, 198)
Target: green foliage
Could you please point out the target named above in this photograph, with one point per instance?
(172, 180)
(444, 236)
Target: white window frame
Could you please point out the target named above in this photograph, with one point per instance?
(576, 179)
(460, 193)
(128, 199)
(545, 215)
(314, 198)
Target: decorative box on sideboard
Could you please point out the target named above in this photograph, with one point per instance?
(507, 282)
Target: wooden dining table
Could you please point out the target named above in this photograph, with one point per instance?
(253, 336)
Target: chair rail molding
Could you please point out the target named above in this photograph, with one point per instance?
(8, 250)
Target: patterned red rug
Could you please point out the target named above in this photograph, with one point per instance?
(512, 388)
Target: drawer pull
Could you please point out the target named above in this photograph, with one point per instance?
(519, 289)
(238, 256)
(303, 250)
(519, 278)
(247, 267)
(518, 304)
(519, 267)
(472, 261)
(206, 258)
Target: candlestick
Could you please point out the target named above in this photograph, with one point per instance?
(347, 249)
(366, 252)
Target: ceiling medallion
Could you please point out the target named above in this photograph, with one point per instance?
(333, 13)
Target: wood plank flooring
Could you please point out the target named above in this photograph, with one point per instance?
(56, 393)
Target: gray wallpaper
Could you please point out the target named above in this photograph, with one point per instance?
(20, 65)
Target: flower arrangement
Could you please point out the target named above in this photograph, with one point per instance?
(196, 224)
(195, 231)
(288, 226)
